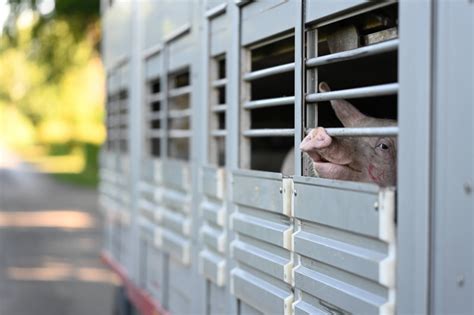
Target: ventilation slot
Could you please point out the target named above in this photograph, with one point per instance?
(178, 115)
(154, 117)
(218, 111)
(267, 123)
(357, 57)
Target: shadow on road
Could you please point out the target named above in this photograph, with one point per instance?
(50, 240)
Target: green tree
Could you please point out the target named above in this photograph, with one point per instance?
(51, 78)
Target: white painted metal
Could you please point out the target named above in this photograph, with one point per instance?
(225, 239)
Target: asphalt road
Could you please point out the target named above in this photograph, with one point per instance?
(50, 240)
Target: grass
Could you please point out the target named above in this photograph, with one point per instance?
(89, 174)
(76, 163)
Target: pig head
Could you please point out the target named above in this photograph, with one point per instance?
(362, 159)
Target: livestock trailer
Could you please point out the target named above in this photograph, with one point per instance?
(208, 102)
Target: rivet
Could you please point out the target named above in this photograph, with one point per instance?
(281, 190)
(376, 206)
(460, 280)
(467, 188)
(295, 193)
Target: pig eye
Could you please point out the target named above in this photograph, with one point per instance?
(383, 146)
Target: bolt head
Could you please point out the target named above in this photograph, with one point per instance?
(376, 206)
(467, 188)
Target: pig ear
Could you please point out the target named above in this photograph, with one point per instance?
(345, 111)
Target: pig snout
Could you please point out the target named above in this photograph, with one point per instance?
(331, 156)
(322, 147)
(316, 139)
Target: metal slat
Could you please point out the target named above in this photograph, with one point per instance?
(155, 97)
(269, 71)
(370, 91)
(174, 114)
(361, 132)
(269, 102)
(152, 51)
(179, 91)
(154, 134)
(179, 133)
(156, 115)
(255, 133)
(354, 54)
(181, 31)
(215, 11)
(219, 83)
(219, 108)
(212, 266)
(219, 133)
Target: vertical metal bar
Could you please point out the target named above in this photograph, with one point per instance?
(245, 115)
(311, 118)
(232, 126)
(206, 79)
(299, 86)
(197, 150)
(135, 99)
(414, 180)
(311, 79)
(315, 82)
(164, 103)
(452, 250)
(146, 121)
(213, 117)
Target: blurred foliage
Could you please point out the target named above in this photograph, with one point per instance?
(79, 14)
(52, 80)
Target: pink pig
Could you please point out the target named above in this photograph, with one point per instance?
(362, 159)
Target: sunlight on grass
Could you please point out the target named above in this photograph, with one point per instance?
(72, 163)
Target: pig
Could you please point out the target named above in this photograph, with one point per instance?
(362, 159)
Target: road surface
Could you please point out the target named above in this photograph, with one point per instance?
(50, 240)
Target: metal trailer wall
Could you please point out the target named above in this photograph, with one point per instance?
(204, 237)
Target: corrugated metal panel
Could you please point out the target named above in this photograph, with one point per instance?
(114, 201)
(262, 277)
(453, 210)
(151, 213)
(176, 174)
(212, 260)
(260, 294)
(153, 66)
(176, 14)
(258, 19)
(318, 9)
(217, 299)
(175, 212)
(210, 4)
(114, 82)
(157, 273)
(145, 238)
(181, 288)
(152, 17)
(345, 241)
(252, 191)
(219, 34)
(117, 26)
(181, 52)
(245, 309)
